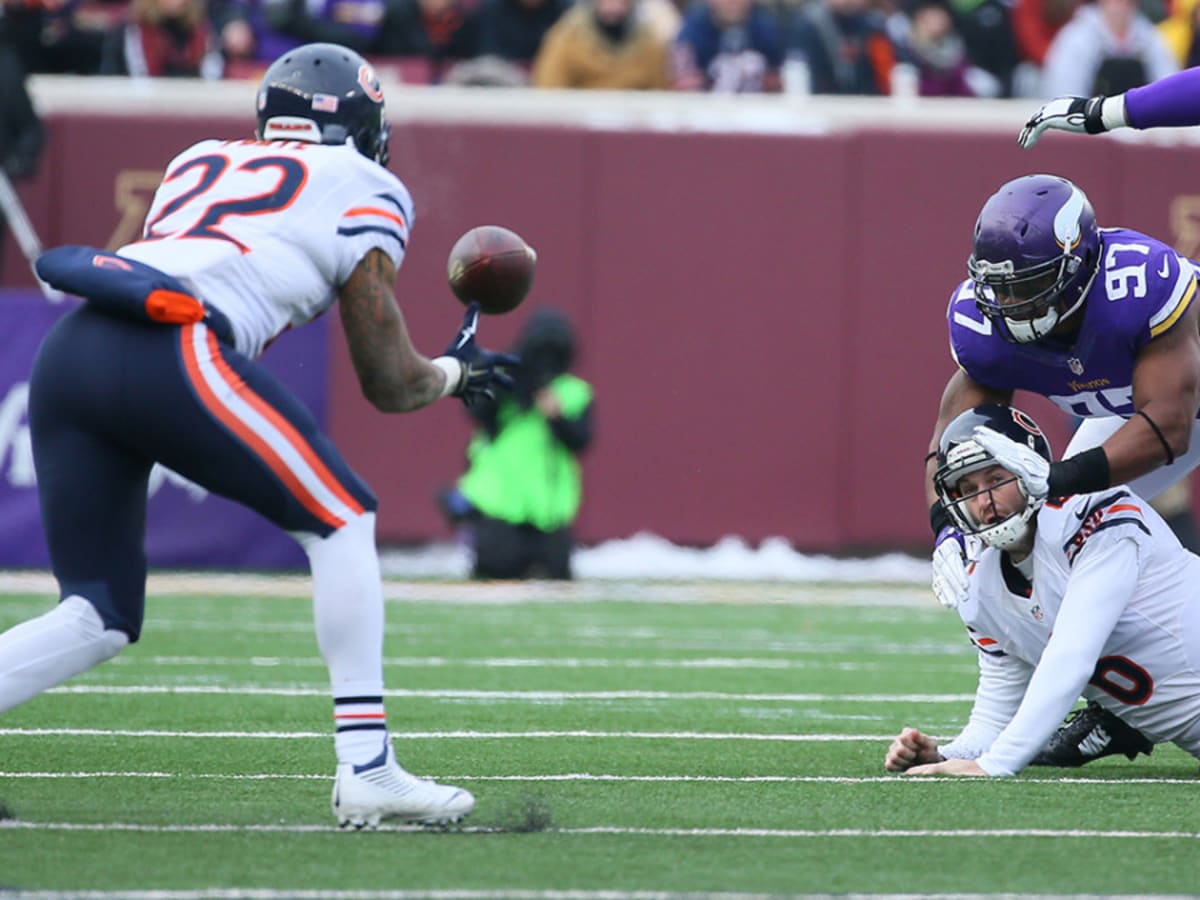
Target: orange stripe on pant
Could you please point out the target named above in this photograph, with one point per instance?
(260, 447)
(290, 434)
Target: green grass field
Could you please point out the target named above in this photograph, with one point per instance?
(623, 740)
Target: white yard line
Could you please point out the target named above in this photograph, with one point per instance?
(16, 825)
(448, 735)
(750, 593)
(452, 894)
(511, 894)
(526, 696)
(582, 777)
(509, 662)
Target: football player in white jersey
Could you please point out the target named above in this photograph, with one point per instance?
(245, 238)
(1088, 595)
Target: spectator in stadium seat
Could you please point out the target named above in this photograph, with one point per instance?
(1108, 47)
(236, 37)
(513, 29)
(164, 38)
(357, 24)
(845, 45)
(53, 38)
(987, 31)
(21, 133)
(931, 42)
(522, 489)
(603, 44)
(441, 33)
(728, 46)
(1036, 22)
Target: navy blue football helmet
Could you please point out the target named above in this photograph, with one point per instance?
(324, 94)
(1036, 251)
(959, 454)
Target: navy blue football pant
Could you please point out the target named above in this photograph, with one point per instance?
(110, 397)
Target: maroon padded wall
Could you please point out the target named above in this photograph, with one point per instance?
(761, 316)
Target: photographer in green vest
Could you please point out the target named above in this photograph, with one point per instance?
(521, 492)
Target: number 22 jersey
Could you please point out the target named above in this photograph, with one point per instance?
(267, 231)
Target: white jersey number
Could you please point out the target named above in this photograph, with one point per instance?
(1122, 281)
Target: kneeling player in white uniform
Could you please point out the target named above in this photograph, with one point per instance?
(1086, 595)
(245, 239)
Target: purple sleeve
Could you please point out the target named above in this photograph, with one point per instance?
(1173, 101)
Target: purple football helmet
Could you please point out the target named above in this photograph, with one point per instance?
(959, 454)
(1036, 251)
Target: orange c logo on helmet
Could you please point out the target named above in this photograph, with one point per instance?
(369, 83)
(1025, 422)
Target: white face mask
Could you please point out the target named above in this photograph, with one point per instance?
(1026, 331)
(1010, 533)
(1004, 535)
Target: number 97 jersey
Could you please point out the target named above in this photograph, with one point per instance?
(267, 231)
(1141, 290)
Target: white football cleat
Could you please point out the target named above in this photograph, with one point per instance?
(381, 789)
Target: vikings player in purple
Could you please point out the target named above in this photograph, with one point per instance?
(1170, 102)
(1101, 321)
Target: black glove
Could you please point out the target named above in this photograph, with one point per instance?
(482, 371)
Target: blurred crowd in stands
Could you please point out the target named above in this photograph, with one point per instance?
(981, 48)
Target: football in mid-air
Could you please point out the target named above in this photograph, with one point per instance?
(491, 266)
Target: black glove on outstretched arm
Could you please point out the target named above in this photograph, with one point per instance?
(472, 372)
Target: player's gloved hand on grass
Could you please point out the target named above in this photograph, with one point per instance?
(950, 568)
(1027, 464)
(482, 372)
(1075, 114)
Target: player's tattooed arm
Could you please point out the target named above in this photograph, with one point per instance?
(394, 377)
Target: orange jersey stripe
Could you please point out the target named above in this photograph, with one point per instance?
(375, 211)
(239, 428)
(1124, 507)
(986, 642)
(290, 434)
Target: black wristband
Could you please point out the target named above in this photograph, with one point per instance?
(1085, 473)
(939, 518)
(1093, 115)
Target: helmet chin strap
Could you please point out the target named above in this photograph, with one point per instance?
(1013, 531)
(1010, 533)
(1026, 331)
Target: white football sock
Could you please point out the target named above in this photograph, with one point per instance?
(42, 652)
(360, 727)
(348, 610)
